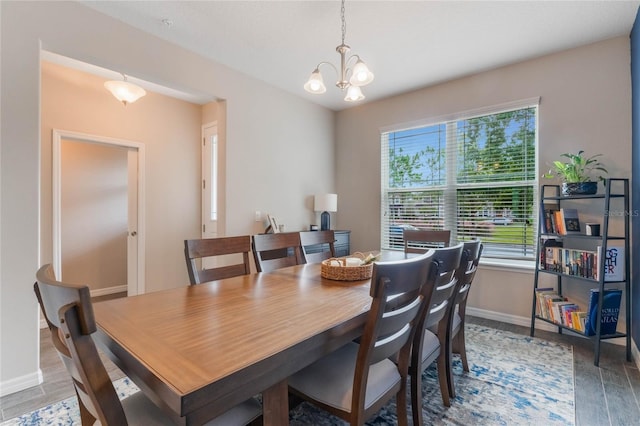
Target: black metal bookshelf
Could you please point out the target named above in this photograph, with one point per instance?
(616, 191)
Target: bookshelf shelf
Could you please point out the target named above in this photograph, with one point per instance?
(564, 256)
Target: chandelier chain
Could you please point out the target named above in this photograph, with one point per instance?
(344, 22)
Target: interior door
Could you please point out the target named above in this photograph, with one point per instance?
(94, 180)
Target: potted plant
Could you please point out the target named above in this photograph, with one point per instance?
(578, 173)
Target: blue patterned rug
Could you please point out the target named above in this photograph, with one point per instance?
(513, 380)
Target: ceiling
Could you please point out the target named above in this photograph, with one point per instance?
(407, 44)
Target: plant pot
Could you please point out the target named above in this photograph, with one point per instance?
(579, 188)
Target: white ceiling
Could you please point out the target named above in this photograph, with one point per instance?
(407, 44)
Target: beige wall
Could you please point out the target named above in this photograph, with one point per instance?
(169, 128)
(270, 135)
(585, 103)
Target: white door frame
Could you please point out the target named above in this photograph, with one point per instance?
(137, 287)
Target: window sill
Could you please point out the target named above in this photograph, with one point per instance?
(507, 264)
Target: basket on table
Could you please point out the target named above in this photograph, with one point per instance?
(336, 268)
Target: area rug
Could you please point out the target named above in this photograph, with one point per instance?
(513, 380)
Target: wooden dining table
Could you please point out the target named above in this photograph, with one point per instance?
(198, 350)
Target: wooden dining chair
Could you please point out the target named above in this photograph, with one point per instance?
(274, 251)
(69, 314)
(421, 240)
(429, 342)
(355, 381)
(472, 251)
(199, 249)
(317, 245)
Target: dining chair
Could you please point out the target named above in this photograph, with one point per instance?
(472, 251)
(274, 251)
(312, 241)
(69, 314)
(210, 247)
(429, 342)
(355, 381)
(421, 240)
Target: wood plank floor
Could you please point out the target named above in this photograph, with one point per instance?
(608, 395)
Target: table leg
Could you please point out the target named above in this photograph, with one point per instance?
(275, 405)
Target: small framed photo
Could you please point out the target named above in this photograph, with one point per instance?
(274, 224)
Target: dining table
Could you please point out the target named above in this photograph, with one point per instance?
(198, 350)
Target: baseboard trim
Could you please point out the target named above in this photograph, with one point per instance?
(108, 290)
(21, 383)
(635, 354)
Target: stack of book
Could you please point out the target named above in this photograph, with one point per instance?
(581, 263)
(556, 308)
(562, 221)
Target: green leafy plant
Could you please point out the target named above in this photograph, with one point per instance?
(578, 168)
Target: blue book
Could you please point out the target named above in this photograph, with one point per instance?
(610, 311)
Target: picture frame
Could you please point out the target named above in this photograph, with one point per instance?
(274, 224)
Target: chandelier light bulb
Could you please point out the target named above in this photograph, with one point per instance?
(361, 76)
(315, 84)
(354, 94)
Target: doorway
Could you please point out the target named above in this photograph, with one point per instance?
(98, 218)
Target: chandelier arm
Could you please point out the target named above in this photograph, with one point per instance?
(328, 63)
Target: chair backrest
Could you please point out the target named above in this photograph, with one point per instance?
(69, 314)
(198, 249)
(447, 260)
(317, 245)
(421, 240)
(399, 290)
(274, 251)
(472, 251)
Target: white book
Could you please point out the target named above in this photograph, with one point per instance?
(613, 263)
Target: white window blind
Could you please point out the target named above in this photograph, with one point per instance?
(475, 175)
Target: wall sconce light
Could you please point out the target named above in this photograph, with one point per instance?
(325, 203)
(124, 91)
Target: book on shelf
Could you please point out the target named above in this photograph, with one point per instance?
(610, 310)
(613, 263)
(570, 221)
(547, 254)
(559, 223)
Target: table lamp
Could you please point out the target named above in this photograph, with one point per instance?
(325, 203)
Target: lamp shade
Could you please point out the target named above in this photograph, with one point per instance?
(325, 203)
(315, 84)
(124, 91)
(354, 94)
(361, 76)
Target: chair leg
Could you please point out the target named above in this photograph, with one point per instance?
(86, 418)
(459, 348)
(415, 375)
(443, 377)
(401, 405)
(449, 366)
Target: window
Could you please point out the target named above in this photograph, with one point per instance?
(210, 168)
(474, 174)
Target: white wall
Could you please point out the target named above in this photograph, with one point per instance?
(585, 104)
(270, 137)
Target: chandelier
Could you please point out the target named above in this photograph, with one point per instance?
(350, 79)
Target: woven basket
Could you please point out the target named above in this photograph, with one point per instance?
(343, 272)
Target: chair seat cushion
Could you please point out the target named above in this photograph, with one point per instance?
(430, 348)
(330, 379)
(141, 411)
